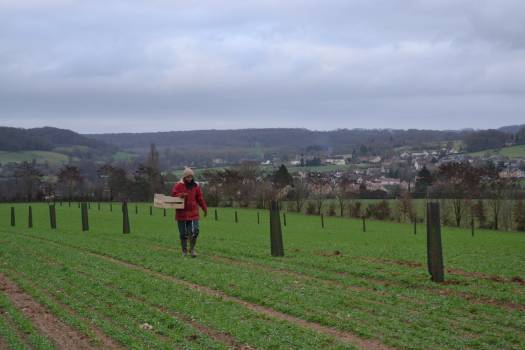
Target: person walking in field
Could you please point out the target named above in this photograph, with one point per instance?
(188, 218)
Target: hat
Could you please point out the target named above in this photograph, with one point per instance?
(187, 172)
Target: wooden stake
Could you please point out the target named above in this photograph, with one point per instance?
(125, 218)
(85, 218)
(30, 217)
(52, 216)
(276, 235)
(434, 245)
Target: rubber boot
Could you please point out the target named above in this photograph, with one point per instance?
(193, 242)
(184, 245)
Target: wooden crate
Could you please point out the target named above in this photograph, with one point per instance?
(168, 202)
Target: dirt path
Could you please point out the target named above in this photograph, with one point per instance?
(3, 344)
(63, 336)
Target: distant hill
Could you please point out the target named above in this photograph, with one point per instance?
(512, 129)
(49, 144)
(46, 139)
(343, 140)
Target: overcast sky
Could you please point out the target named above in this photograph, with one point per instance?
(156, 65)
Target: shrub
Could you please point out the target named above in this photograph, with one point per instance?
(355, 209)
(331, 209)
(311, 208)
(379, 211)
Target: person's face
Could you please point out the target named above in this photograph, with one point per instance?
(188, 179)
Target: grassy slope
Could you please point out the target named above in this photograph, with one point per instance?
(124, 156)
(40, 156)
(338, 277)
(513, 152)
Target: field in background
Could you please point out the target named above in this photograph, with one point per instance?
(336, 287)
(59, 156)
(53, 158)
(513, 152)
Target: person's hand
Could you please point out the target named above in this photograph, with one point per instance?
(183, 194)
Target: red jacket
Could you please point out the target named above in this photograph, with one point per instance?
(192, 201)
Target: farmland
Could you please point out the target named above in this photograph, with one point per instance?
(337, 287)
(513, 152)
(53, 158)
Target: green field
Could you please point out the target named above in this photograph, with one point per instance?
(124, 156)
(336, 288)
(53, 158)
(513, 152)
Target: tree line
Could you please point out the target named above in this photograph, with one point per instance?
(467, 192)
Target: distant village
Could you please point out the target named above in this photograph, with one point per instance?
(397, 171)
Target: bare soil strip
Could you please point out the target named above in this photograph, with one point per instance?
(48, 324)
(3, 344)
(22, 336)
(340, 335)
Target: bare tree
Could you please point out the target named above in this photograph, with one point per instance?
(69, 176)
(319, 188)
(497, 190)
(344, 189)
(299, 193)
(29, 177)
(406, 208)
(459, 182)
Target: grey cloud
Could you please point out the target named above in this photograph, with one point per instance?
(231, 63)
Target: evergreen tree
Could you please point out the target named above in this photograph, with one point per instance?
(282, 178)
(69, 176)
(423, 180)
(29, 177)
